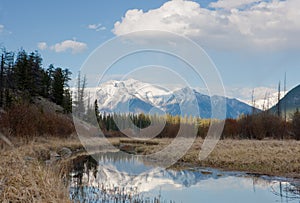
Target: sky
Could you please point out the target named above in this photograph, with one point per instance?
(251, 42)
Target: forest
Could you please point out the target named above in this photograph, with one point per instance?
(23, 77)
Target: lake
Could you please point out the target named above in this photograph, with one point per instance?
(120, 177)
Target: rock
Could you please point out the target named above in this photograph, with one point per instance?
(65, 152)
(54, 156)
(29, 158)
(49, 162)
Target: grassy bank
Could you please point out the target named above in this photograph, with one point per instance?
(27, 173)
(271, 157)
(25, 176)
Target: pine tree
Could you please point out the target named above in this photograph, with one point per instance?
(58, 86)
(46, 81)
(97, 113)
(35, 73)
(67, 101)
(21, 72)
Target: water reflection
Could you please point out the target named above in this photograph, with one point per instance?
(288, 190)
(119, 177)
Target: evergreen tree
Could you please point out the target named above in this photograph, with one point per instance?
(67, 101)
(58, 86)
(35, 73)
(46, 81)
(97, 113)
(21, 72)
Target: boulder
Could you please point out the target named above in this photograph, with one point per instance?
(65, 152)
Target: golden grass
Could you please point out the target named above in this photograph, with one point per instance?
(26, 180)
(271, 157)
(24, 176)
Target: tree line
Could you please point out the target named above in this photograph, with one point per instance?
(257, 126)
(22, 75)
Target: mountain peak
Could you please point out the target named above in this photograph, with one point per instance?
(136, 96)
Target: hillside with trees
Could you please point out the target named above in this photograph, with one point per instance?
(22, 77)
(34, 101)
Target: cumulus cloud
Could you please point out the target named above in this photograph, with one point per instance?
(96, 27)
(231, 24)
(74, 46)
(42, 45)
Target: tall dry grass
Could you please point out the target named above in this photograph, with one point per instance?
(271, 157)
(25, 179)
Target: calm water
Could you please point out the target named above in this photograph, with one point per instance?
(119, 177)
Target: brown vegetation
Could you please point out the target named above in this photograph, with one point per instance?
(271, 157)
(27, 121)
(25, 178)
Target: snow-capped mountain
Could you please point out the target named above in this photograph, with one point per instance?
(136, 96)
(267, 101)
(112, 93)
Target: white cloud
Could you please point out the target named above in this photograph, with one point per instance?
(1, 28)
(42, 45)
(96, 27)
(229, 4)
(74, 46)
(255, 24)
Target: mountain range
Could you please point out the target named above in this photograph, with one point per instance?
(136, 97)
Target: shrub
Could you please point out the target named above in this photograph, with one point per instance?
(231, 129)
(260, 126)
(27, 121)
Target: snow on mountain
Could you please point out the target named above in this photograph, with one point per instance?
(110, 94)
(136, 96)
(266, 101)
(264, 97)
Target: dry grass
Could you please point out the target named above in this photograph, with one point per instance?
(24, 177)
(272, 157)
(267, 157)
(28, 180)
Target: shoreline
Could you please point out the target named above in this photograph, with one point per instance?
(26, 166)
(266, 157)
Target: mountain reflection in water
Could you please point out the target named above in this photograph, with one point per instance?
(118, 177)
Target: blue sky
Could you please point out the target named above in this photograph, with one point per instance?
(252, 43)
